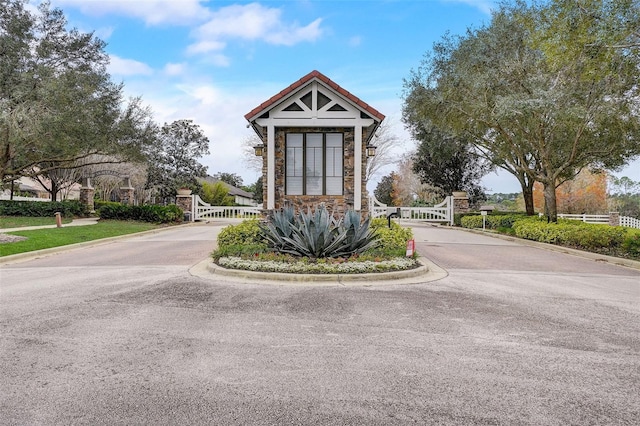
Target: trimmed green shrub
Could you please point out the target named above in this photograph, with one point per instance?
(246, 232)
(145, 213)
(392, 241)
(570, 233)
(631, 243)
(70, 208)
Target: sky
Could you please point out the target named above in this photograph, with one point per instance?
(214, 61)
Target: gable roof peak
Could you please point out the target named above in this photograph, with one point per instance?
(315, 74)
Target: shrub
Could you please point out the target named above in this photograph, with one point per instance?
(68, 208)
(631, 243)
(392, 241)
(246, 232)
(145, 213)
(570, 233)
(492, 221)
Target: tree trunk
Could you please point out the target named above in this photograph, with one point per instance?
(551, 207)
(527, 194)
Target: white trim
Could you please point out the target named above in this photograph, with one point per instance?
(315, 122)
(271, 167)
(357, 169)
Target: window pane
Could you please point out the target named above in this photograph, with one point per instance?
(334, 164)
(314, 164)
(294, 164)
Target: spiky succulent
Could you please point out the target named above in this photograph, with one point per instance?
(318, 234)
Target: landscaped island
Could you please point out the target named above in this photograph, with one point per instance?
(315, 242)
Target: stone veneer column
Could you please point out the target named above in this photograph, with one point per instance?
(86, 194)
(614, 218)
(185, 203)
(460, 202)
(126, 192)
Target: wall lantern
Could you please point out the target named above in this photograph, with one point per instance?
(259, 150)
(371, 151)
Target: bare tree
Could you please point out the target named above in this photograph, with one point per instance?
(385, 141)
(249, 158)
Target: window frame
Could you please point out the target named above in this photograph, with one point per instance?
(304, 163)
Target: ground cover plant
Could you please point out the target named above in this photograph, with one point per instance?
(314, 242)
(597, 238)
(55, 237)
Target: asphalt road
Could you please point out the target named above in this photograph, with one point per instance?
(123, 333)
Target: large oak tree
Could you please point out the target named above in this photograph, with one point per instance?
(538, 114)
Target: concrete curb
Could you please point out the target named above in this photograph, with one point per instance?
(426, 272)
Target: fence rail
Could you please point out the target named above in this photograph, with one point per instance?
(442, 212)
(5, 197)
(630, 222)
(587, 218)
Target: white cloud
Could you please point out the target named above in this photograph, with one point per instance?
(174, 69)
(153, 12)
(251, 22)
(121, 66)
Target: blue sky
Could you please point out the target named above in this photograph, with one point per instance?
(214, 61)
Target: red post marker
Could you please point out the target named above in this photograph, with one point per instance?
(411, 246)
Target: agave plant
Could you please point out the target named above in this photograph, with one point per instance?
(318, 234)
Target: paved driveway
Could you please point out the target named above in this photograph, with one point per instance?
(123, 334)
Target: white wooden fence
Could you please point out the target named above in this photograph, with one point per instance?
(625, 221)
(204, 210)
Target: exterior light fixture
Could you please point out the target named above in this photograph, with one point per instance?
(371, 151)
(259, 150)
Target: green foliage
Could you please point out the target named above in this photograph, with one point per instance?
(173, 162)
(145, 213)
(631, 243)
(492, 221)
(318, 234)
(246, 232)
(384, 189)
(216, 194)
(42, 208)
(570, 233)
(392, 241)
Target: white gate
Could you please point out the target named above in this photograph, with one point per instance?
(203, 210)
(441, 213)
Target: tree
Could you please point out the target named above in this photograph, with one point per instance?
(624, 196)
(384, 141)
(539, 119)
(216, 194)
(448, 163)
(584, 194)
(57, 103)
(231, 178)
(408, 189)
(385, 188)
(173, 161)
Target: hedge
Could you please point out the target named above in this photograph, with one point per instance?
(145, 213)
(491, 221)
(70, 208)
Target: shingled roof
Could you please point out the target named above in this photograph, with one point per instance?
(260, 109)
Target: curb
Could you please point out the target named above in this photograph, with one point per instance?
(426, 272)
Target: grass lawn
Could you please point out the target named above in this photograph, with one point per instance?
(22, 221)
(56, 237)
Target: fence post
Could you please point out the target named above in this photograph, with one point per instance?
(614, 218)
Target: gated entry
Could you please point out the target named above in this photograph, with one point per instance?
(203, 211)
(440, 213)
